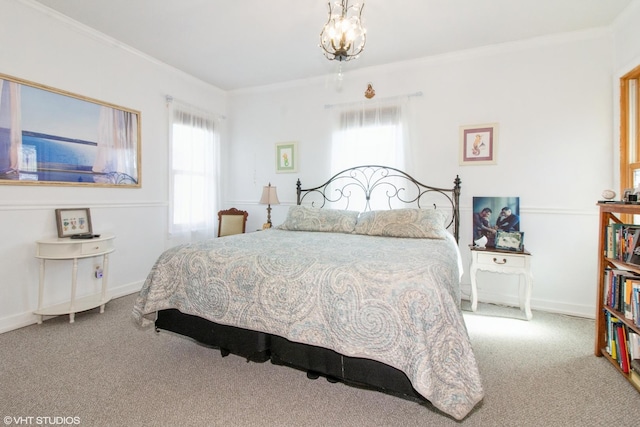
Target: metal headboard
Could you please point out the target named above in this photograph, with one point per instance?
(393, 186)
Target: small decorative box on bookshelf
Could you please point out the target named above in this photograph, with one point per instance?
(618, 300)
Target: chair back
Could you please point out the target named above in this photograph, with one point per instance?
(231, 221)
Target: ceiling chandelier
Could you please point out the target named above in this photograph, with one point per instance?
(343, 37)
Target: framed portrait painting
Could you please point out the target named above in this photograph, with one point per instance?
(492, 215)
(478, 144)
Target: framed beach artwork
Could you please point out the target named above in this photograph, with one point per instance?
(478, 144)
(53, 137)
(286, 157)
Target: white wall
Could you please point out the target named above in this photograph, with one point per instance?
(40, 46)
(626, 36)
(552, 98)
(626, 57)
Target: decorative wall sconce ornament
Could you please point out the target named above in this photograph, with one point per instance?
(343, 37)
(370, 92)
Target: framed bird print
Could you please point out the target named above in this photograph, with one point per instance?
(478, 144)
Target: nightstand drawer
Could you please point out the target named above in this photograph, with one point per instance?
(96, 247)
(66, 248)
(505, 260)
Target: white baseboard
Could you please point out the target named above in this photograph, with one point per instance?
(586, 311)
(21, 320)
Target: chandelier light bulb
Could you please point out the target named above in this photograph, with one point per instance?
(343, 37)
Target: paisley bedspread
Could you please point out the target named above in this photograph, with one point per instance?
(394, 300)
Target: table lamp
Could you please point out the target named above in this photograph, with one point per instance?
(269, 197)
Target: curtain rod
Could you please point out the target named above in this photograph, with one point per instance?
(409, 95)
(170, 99)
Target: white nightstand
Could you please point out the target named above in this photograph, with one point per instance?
(74, 249)
(506, 263)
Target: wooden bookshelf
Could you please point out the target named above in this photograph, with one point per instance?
(611, 213)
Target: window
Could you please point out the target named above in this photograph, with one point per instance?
(369, 135)
(629, 130)
(375, 134)
(194, 168)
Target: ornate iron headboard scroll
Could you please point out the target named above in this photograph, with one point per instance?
(393, 188)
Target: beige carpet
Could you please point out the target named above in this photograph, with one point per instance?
(106, 372)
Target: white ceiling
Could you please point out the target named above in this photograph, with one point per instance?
(234, 44)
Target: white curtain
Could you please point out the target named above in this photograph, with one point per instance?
(117, 142)
(14, 117)
(370, 132)
(195, 173)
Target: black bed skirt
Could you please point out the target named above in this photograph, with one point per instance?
(316, 361)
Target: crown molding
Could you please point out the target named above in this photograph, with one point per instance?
(111, 42)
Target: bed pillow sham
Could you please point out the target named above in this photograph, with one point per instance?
(302, 218)
(413, 223)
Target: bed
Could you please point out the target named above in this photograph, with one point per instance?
(359, 284)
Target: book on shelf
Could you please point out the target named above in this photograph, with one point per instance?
(634, 373)
(627, 291)
(618, 285)
(634, 378)
(627, 300)
(608, 238)
(622, 240)
(634, 347)
(621, 344)
(611, 321)
(635, 302)
(633, 252)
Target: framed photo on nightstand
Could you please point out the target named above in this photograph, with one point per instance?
(510, 240)
(494, 214)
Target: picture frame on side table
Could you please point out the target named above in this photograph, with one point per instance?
(286, 157)
(492, 214)
(73, 221)
(510, 240)
(478, 144)
(630, 196)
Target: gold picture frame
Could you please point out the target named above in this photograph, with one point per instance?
(50, 136)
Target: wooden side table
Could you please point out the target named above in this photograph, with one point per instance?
(505, 262)
(68, 249)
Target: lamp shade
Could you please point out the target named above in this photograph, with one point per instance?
(269, 196)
